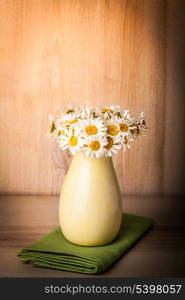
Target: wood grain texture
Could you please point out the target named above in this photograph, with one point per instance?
(24, 219)
(55, 52)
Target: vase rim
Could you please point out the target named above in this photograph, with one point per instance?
(82, 155)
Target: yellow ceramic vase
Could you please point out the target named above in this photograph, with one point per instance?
(90, 209)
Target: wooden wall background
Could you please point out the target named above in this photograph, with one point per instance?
(54, 52)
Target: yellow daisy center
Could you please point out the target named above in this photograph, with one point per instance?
(110, 142)
(112, 130)
(106, 110)
(95, 145)
(91, 129)
(69, 111)
(72, 122)
(52, 127)
(123, 127)
(118, 114)
(73, 141)
(62, 132)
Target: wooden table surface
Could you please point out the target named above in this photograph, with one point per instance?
(160, 253)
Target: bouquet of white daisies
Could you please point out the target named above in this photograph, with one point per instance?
(95, 131)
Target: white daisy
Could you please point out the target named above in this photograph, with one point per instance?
(112, 127)
(70, 120)
(92, 127)
(138, 128)
(124, 125)
(72, 140)
(60, 127)
(113, 145)
(125, 143)
(114, 108)
(109, 112)
(59, 123)
(87, 112)
(125, 113)
(71, 116)
(51, 125)
(53, 132)
(142, 123)
(95, 146)
(71, 109)
(106, 113)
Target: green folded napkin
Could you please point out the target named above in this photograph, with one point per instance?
(54, 251)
